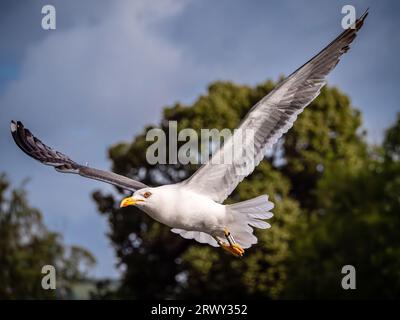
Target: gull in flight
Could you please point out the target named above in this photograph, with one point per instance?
(193, 208)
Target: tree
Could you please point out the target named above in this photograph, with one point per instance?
(159, 264)
(358, 225)
(26, 246)
(391, 143)
(327, 132)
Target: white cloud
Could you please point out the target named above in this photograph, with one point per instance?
(87, 86)
(84, 87)
(113, 75)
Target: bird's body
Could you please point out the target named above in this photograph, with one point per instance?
(195, 216)
(193, 208)
(184, 209)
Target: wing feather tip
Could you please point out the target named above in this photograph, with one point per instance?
(13, 126)
(360, 20)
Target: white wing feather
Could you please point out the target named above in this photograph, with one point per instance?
(269, 119)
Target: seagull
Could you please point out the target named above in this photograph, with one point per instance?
(194, 208)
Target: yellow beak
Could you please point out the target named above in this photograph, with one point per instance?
(129, 201)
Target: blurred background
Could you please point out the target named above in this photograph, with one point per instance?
(111, 70)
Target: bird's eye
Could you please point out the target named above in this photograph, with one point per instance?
(147, 194)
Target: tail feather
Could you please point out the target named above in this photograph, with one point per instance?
(259, 224)
(248, 214)
(245, 215)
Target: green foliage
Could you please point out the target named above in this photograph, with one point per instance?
(336, 203)
(26, 246)
(326, 132)
(357, 223)
(392, 141)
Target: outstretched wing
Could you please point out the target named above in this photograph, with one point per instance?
(268, 120)
(36, 149)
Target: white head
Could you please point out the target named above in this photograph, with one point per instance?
(143, 198)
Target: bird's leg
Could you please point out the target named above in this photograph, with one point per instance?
(229, 237)
(232, 247)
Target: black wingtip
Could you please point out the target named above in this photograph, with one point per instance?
(13, 126)
(360, 20)
(16, 126)
(18, 133)
(364, 15)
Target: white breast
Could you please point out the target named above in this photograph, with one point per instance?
(177, 207)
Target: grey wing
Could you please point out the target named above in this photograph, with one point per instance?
(267, 121)
(36, 149)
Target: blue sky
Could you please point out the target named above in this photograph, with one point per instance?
(111, 66)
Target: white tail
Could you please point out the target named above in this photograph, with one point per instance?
(248, 214)
(245, 215)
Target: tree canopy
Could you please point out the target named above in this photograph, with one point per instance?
(26, 245)
(336, 203)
